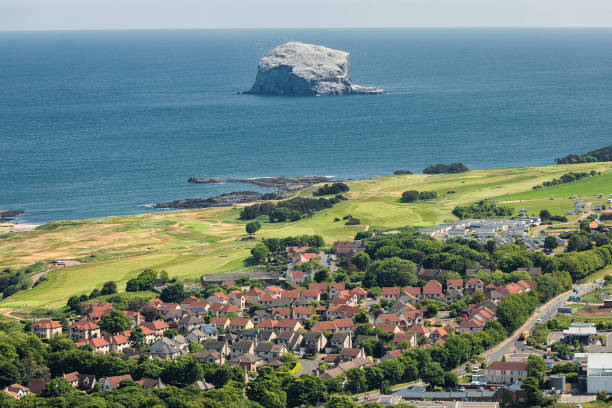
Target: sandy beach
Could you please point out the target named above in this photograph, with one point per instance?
(8, 227)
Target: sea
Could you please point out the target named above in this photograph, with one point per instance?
(101, 123)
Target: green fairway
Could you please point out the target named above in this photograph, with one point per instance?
(589, 187)
(191, 242)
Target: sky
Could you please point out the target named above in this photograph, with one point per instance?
(189, 14)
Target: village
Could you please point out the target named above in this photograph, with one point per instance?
(330, 327)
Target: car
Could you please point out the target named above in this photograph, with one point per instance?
(462, 389)
(578, 406)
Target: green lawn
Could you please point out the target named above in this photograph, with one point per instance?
(589, 187)
(192, 242)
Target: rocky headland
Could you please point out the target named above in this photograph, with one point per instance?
(302, 69)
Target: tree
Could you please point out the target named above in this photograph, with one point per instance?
(457, 308)
(267, 390)
(374, 376)
(9, 373)
(115, 322)
(356, 381)
(322, 275)
(260, 252)
(306, 390)
(109, 288)
(170, 333)
(450, 379)
(534, 394)
(341, 401)
(433, 374)
(410, 196)
(56, 387)
(182, 372)
(431, 308)
(392, 370)
(536, 367)
(391, 272)
(253, 227)
(545, 215)
(173, 293)
(550, 243)
(361, 260)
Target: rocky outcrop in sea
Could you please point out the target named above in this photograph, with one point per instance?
(302, 69)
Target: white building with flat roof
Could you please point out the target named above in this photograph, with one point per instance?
(599, 372)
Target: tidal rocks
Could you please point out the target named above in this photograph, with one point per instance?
(283, 183)
(302, 69)
(222, 200)
(9, 215)
(204, 180)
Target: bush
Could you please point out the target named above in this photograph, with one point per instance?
(401, 172)
(335, 188)
(253, 227)
(410, 196)
(446, 168)
(428, 195)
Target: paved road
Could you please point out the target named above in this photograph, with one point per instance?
(545, 312)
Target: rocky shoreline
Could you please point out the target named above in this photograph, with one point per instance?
(283, 183)
(9, 215)
(222, 200)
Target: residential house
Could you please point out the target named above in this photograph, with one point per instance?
(16, 391)
(409, 338)
(222, 323)
(291, 340)
(338, 342)
(220, 347)
(391, 293)
(348, 249)
(437, 334)
(270, 351)
(111, 383)
(82, 382)
(45, 329)
(237, 298)
(288, 324)
(135, 317)
(303, 313)
(432, 290)
(454, 284)
(250, 362)
(349, 354)
(165, 348)
(118, 342)
(240, 323)
(474, 284)
(158, 327)
(335, 288)
(313, 342)
(98, 345)
(207, 356)
(281, 313)
(188, 324)
(505, 372)
(84, 330)
(242, 347)
(217, 297)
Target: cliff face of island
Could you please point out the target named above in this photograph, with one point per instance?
(302, 69)
(9, 215)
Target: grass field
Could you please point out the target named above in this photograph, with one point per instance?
(192, 242)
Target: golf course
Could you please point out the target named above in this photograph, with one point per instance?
(189, 243)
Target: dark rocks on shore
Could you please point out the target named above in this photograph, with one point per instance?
(283, 183)
(204, 180)
(222, 200)
(9, 215)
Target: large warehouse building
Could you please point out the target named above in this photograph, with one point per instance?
(599, 372)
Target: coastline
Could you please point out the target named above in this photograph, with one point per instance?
(12, 227)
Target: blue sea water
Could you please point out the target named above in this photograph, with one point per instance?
(98, 123)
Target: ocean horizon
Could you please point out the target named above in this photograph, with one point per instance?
(102, 123)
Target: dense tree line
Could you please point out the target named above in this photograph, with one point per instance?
(285, 210)
(482, 209)
(335, 188)
(567, 178)
(413, 195)
(445, 168)
(598, 155)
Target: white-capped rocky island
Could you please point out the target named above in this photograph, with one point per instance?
(302, 69)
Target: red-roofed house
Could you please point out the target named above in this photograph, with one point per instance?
(454, 284)
(240, 323)
(118, 342)
(218, 297)
(281, 313)
(222, 322)
(84, 330)
(45, 329)
(296, 276)
(474, 284)
(289, 324)
(437, 334)
(158, 327)
(111, 383)
(303, 313)
(391, 293)
(432, 290)
(237, 298)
